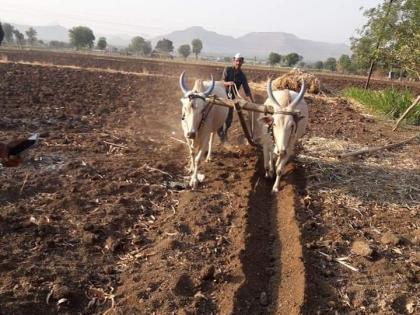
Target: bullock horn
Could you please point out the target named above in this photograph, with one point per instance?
(182, 83)
(299, 97)
(210, 88)
(270, 92)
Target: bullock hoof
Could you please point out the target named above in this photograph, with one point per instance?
(208, 160)
(275, 190)
(193, 184)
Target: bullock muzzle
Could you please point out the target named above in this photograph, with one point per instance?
(191, 135)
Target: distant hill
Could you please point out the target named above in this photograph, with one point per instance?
(47, 33)
(258, 44)
(213, 43)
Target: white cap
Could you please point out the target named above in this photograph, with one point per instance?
(238, 56)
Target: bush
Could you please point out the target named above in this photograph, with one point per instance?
(389, 102)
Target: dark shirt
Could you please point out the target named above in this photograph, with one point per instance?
(237, 76)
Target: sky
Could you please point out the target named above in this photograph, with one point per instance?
(332, 21)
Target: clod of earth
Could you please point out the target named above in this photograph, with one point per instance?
(361, 248)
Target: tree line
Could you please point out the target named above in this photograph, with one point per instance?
(343, 64)
(12, 35)
(82, 37)
(390, 40)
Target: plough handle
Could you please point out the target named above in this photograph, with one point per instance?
(248, 136)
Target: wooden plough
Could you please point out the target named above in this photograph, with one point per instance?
(240, 105)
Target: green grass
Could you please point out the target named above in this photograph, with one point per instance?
(390, 102)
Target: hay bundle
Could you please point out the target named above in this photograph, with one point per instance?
(293, 79)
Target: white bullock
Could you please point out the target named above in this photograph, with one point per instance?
(200, 120)
(279, 132)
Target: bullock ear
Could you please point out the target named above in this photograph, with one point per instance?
(267, 120)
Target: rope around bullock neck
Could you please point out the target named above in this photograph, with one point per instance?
(203, 112)
(296, 116)
(193, 96)
(203, 118)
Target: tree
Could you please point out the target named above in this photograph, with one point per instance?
(184, 50)
(31, 35)
(330, 64)
(139, 46)
(147, 48)
(81, 37)
(362, 53)
(391, 36)
(406, 48)
(1, 34)
(274, 58)
(20, 38)
(197, 46)
(291, 59)
(136, 44)
(101, 44)
(302, 64)
(344, 64)
(319, 65)
(55, 44)
(165, 45)
(8, 32)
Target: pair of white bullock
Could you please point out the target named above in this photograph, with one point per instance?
(277, 133)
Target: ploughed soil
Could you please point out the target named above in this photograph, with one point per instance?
(331, 82)
(98, 219)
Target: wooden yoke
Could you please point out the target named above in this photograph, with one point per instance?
(265, 109)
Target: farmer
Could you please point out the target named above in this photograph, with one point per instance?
(233, 75)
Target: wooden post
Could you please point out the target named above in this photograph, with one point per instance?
(416, 101)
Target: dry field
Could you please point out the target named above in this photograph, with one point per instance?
(96, 221)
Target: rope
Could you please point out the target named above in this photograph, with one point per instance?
(236, 92)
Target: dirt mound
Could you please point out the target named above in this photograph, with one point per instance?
(293, 81)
